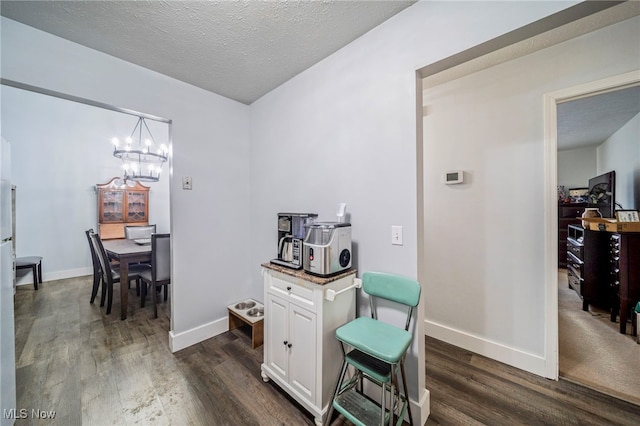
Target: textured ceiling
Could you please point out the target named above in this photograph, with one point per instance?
(590, 121)
(238, 49)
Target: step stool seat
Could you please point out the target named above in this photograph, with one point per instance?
(375, 338)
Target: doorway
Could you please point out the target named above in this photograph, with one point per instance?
(61, 148)
(591, 351)
(503, 119)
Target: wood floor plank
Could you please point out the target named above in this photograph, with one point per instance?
(95, 369)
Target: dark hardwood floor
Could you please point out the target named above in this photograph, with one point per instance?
(93, 369)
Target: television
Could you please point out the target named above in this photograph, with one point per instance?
(602, 193)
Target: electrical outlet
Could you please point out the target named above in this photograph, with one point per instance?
(396, 235)
(186, 182)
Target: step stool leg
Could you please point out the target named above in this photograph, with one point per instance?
(343, 371)
(383, 404)
(406, 393)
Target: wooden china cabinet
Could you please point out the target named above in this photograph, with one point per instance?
(121, 204)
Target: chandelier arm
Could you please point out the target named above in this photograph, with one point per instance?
(136, 127)
(148, 131)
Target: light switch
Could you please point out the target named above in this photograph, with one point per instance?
(186, 182)
(396, 235)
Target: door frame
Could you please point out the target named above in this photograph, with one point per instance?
(551, 101)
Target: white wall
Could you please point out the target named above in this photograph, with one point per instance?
(210, 144)
(621, 152)
(485, 248)
(61, 150)
(576, 167)
(345, 131)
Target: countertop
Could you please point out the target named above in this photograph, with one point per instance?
(300, 273)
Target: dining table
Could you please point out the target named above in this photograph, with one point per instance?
(126, 252)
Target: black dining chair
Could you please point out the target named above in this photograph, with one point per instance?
(111, 274)
(97, 272)
(160, 274)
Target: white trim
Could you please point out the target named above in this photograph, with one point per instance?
(423, 408)
(551, 212)
(511, 356)
(551, 237)
(198, 334)
(27, 278)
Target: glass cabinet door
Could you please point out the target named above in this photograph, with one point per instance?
(137, 206)
(111, 206)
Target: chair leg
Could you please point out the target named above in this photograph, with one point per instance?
(155, 302)
(109, 298)
(96, 285)
(166, 292)
(143, 293)
(103, 293)
(34, 268)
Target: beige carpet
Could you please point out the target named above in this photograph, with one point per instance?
(592, 350)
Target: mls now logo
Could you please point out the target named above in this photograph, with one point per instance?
(23, 413)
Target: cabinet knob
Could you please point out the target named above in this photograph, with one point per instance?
(288, 288)
(289, 345)
(285, 343)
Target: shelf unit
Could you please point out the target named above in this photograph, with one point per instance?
(587, 265)
(119, 205)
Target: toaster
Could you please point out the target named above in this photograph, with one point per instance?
(327, 248)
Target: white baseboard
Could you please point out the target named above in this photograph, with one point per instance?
(423, 408)
(195, 335)
(511, 356)
(26, 278)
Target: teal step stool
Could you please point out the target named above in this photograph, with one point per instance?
(377, 352)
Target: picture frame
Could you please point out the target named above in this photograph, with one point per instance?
(627, 216)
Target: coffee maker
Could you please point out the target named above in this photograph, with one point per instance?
(292, 228)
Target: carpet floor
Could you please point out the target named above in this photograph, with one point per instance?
(592, 351)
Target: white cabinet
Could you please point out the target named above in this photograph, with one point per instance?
(301, 353)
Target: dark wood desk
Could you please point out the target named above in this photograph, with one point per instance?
(126, 252)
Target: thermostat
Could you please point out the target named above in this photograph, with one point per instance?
(453, 177)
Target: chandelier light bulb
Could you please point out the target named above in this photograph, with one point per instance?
(129, 140)
(115, 142)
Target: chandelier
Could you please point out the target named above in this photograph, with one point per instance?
(141, 159)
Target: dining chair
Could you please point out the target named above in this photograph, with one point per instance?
(160, 273)
(111, 274)
(97, 272)
(139, 232)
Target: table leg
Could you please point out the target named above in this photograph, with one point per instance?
(124, 289)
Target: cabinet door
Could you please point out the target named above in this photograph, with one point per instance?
(303, 353)
(277, 329)
(137, 206)
(111, 203)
